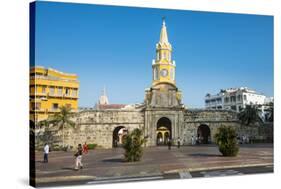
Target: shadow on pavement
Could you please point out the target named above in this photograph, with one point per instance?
(114, 160)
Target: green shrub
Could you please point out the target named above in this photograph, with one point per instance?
(226, 140)
(92, 146)
(133, 146)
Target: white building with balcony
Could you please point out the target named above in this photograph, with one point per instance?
(235, 99)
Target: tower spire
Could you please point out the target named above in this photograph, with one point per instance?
(163, 33)
(103, 98)
(103, 92)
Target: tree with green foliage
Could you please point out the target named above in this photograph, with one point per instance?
(271, 113)
(226, 140)
(250, 115)
(61, 120)
(133, 145)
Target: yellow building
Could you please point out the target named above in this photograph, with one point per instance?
(49, 90)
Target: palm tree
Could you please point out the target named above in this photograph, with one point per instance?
(250, 114)
(62, 119)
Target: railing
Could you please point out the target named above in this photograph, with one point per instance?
(62, 95)
(38, 110)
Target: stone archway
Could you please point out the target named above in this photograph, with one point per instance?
(163, 131)
(118, 136)
(204, 134)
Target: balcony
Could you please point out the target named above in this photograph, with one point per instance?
(38, 94)
(62, 95)
(38, 110)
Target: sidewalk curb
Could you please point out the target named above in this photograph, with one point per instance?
(43, 180)
(217, 167)
(64, 178)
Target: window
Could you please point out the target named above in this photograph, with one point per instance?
(240, 108)
(74, 92)
(245, 97)
(238, 97)
(164, 55)
(55, 106)
(67, 91)
(68, 105)
(36, 106)
(43, 89)
(226, 99)
(59, 91)
(52, 90)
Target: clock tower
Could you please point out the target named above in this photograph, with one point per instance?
(164, 111)
(163, 67)
(163, 93)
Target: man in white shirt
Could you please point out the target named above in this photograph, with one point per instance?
(46, 152)
(192, 140)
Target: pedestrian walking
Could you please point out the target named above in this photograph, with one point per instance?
(243, 139)
(85, 148)
(78, 158)
(169, 144)
(46, 153)
(179, 142)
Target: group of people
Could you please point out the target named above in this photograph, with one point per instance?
(200, 140)
(78, 154)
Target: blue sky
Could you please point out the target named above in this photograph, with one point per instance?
(114, 46)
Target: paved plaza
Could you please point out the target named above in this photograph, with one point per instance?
(157, 162)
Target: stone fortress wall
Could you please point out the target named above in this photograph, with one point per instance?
(97, 126)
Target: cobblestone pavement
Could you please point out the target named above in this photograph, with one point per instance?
(156, 161)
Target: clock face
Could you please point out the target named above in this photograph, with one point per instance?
(164, 72)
